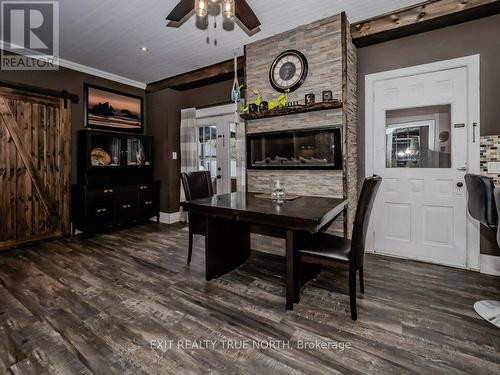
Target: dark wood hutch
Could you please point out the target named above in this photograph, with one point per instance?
(115, 181)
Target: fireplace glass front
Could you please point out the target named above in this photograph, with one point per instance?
(298, 149)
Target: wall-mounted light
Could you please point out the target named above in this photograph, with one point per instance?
(201, 8)
(228, 8)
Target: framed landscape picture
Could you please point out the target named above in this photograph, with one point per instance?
(113, 110)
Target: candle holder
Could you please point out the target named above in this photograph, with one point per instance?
(278, 193)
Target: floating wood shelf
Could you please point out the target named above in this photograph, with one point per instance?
(285, 111)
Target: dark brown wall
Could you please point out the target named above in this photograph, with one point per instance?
(476, 37)
(164, 119)
(160, 114)
(71, 81)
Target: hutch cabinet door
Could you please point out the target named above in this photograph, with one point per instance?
(35, 162)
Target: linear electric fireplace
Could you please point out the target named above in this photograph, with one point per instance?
(297, 149)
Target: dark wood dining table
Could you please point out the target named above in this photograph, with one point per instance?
(232, 217)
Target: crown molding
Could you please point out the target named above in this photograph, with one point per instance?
(89, 70)
(101, 73)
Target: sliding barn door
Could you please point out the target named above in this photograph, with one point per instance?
(35, 162)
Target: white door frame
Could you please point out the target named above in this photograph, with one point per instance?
(219, 110)
(472, 64)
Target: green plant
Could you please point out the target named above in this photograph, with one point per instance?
(259, 98)
(280, 102)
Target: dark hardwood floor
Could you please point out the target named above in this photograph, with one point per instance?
(93, 305)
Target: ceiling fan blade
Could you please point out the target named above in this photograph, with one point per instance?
(181, 10)
(245, 15)
(244, 28)
(181, 22)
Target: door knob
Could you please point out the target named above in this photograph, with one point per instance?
(219, 177)
(460, 184)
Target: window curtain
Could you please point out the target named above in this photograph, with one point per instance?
(189, 147)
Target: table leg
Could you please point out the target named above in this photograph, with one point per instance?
(305, 272)
(227, 246)
(291, 268)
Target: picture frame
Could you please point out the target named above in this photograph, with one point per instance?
(327, 96)
(108, 109)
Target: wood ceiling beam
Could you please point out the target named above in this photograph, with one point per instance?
(422, 17)
(196, 78)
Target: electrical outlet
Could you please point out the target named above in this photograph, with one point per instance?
(174, 155)
(494, 167)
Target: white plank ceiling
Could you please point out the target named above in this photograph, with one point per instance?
(107, 34)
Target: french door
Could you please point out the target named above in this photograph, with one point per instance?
(216, 150)
(420, 148)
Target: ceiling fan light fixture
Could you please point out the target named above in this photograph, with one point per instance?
(233, 12)
(201, 8)
(228, 8)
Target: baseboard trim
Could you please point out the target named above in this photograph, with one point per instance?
(490, 265)
(423, 261)
(171, 218)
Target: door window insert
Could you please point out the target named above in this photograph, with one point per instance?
(419, 137)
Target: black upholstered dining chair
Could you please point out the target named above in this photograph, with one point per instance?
(328, 250)
(484, 205)
(196, 185)
(481, 200)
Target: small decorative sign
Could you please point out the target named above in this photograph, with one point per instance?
(310, 99)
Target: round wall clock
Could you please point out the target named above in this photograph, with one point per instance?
(288, 71)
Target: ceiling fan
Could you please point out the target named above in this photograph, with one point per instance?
(233, 11)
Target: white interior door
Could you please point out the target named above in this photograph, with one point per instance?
(420, 143)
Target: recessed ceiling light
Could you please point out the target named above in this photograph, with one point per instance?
(144, 49)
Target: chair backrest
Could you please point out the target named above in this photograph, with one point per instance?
(481, 200)
(497, 200)
(361, 221)
(197, 185)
